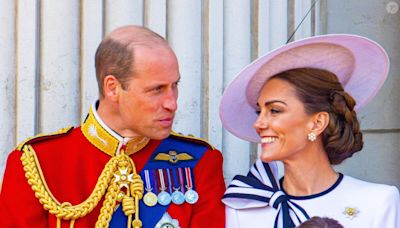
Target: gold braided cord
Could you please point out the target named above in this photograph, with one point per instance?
(107, 210)
(136, 188)
(107, 180)
(137, 193)
(128, 206)
(71, 225)
(137, 223)
(65, 210)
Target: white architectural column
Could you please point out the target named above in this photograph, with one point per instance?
(59, 65)
(237, 54)
(27, 74)
(155, 16)
(185, 36)
(278, 22)
(263, 26)
(92, 31)
(7, 80)
(302, 18)
(213, 70)
(123, 12)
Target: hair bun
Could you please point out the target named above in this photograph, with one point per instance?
(341, 102)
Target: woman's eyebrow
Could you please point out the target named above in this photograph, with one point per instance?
(271, 102)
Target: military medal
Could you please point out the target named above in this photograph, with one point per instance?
(191, 196)
(177, 196)
(150, 199)
(164, 198)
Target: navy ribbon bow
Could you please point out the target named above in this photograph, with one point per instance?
(260, 189)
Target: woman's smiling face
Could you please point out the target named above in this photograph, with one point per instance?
(282, 122)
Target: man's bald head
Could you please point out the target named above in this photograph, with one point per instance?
(115, 54)
(135, 35)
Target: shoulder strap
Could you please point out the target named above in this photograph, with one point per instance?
(192, 138)
(41, 137)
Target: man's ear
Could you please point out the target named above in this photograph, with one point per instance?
(111, 87)
(320, 121)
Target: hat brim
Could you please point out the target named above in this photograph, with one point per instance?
(361, 65)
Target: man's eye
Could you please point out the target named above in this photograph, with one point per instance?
(157, 89)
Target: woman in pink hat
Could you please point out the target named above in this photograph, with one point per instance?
(299, 102)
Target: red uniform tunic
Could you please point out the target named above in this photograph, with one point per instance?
(71, 165)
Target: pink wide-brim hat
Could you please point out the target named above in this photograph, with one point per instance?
(361, 65)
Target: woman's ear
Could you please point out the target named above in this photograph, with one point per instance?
(320, 121)
(111, 87)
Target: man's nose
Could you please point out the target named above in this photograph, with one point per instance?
(170, 101)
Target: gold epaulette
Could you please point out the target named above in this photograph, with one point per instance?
(41, 137)
(193, 139)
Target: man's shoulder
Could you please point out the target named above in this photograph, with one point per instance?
(39, 138)
(192, 140)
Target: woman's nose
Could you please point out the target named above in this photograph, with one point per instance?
(260, 123)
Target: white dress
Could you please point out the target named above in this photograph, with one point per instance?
(352, 202)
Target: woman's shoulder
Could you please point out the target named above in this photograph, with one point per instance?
(366, 188)
(353, 181)
(380, 203)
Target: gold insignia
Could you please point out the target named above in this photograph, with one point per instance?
(173, 157)
(351, 212)
(123, 179)
(98, 136)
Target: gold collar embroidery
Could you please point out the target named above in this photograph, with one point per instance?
(107, 140)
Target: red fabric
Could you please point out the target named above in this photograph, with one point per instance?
(71, 166)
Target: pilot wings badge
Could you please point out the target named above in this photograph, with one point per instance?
(173, 157)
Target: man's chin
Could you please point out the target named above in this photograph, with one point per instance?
(162, 134)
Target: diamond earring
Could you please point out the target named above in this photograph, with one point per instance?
(312, 136)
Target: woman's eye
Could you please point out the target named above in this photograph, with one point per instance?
(258, 112)
(274, 111)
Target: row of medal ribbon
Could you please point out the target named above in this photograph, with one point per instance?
(166, 186)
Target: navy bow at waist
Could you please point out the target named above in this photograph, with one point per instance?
(260, 189)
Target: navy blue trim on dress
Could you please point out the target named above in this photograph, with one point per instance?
(247, 196)
(250, 188)
(255, 183)
(337, 182)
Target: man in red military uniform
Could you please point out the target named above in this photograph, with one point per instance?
(123, 167)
